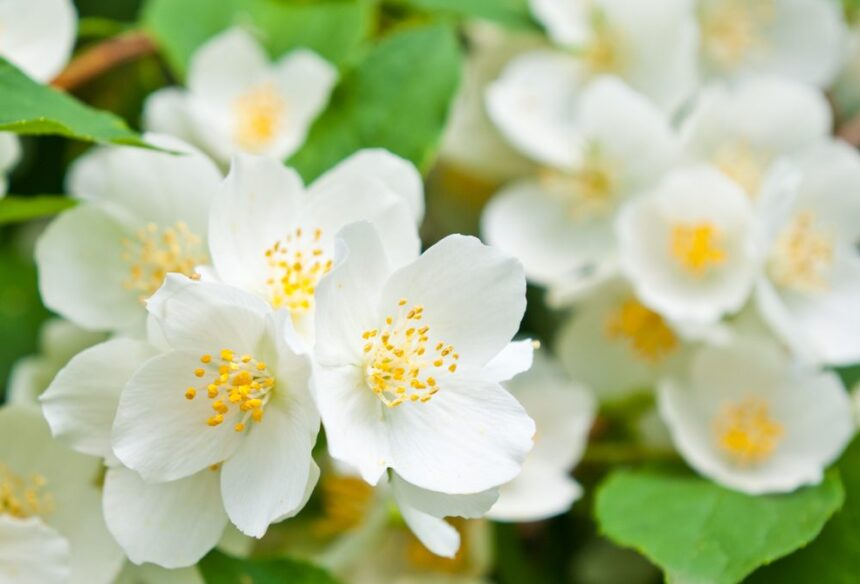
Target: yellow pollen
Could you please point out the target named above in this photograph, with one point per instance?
(802, 256)
(156, 252)
(395, 363)
(733, 29)
(346, 502)
(259, 116)
(22, 497)
(746, 432)
(604, 53)
(743, 164)
(645, 331)
(292, 279)
(247, 386)
(696, 247)
(206, 359)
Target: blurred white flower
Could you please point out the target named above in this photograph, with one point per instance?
(10, 153)
(51, 525)
(747, 417)
(799, 39)
(616, 345)
(238, 101)
(563, 412)
(743, 130)
(271, 236)
(689, 248)
(602, 148)
(400, 356)
(810, 291)
(141, 214)
(38, 35)
(650, 44)
(59, 341)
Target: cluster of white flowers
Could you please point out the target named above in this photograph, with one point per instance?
(692, 207)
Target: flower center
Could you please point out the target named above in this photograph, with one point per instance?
(732, 28)
(156, 252)
(346, 502)
(296, 264)
(802, 256)
(259, 115)
(23, 497)
(603, 52)
(587, 191)
(645, 331)
(696, 247)
(746, 432)
(742, 164)
(399, 365)
(240, 382)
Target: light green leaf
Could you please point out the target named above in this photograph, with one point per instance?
(27, 107)
(332, 28)
(397, 98)
(15, 209)
(219, 568)
(513, 13)
(832, 557)
(698, 532)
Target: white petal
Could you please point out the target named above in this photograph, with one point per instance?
(399, 175)
(538, 493)
(170, 524)
(473, 296)
(164, 112)
(514, 359)
(32, 553)
(161, 434)
(435, 533)
(226, 65)
(38, 36)
(566, 21)
(80, 404)
(471, 506)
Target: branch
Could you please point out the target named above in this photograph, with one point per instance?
(850, 130)
(103, 57)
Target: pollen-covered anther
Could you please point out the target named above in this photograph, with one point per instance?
(746, 432)
(24, 497)
(156, 252)
(645, 331)
(400, 362)
(259, 115)
(296, 265)
(696, 247)
(802, 256)
(238, 384)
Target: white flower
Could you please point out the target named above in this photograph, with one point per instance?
(650, 44)
(798, 39)
(238, 101)
(748, 418)
(616, 345)
(563, 412)
(51, 525)
(743, 130)
(59, 341)
(38, 35)
(810, 291)
(688, 248)
(400, 357)
(607, 145)
(271, 236)
(10, 153)
(141, 214)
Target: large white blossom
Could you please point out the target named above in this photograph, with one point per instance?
(747, 417)
(810, 290)
(141, 214)
(38, 35)
(238, 101)
(51, 525)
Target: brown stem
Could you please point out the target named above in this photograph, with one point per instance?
(103, 57)
(850, 130)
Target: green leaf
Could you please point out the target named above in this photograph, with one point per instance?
(513, 13)
(16, 209)
(832, 557)
(332, 28)
(396, 98)
(219, 568)
(698, 532)
(27, 107)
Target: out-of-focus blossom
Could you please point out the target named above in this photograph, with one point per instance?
(38, 35)
(238, 101)
(10, 153)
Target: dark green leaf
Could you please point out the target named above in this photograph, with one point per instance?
(219, 568)
(397, 98)
(332, 28)
(832, 557)
(26, 107)
(699, 532)
(16, 209)
(514, 13)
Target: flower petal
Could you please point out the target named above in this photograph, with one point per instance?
(538, 493)
(32, 553)
(513, 360)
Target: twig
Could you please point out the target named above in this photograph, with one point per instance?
(103, 57)
(850, 130)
